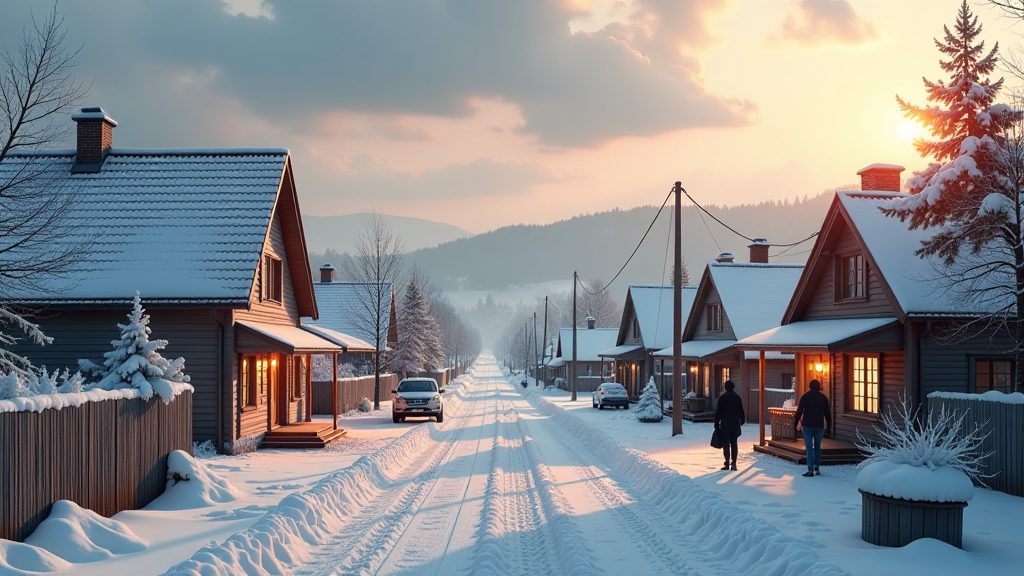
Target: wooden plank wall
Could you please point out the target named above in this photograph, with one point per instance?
(105, 456)
(350, 392)
(1005, 440)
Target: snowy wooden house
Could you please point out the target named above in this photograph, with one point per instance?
(213, 241)
(870, 321)
(735, 300)
(586, 366)
(646, 327)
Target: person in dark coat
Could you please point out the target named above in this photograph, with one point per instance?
(814, 410)
(728, 419)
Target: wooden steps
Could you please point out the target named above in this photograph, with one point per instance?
(305, 435)
(832, 451)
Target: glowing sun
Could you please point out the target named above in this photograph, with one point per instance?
(909, 130)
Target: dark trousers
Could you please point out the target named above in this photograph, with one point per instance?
(812, 444)
(731, 445)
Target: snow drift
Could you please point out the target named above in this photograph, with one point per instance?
(79, 535)
(190, 484)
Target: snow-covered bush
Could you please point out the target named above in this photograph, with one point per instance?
(933, 460)
(135, 361)
(71, 383)
(346, 370)
(648, 409)
(365, 405)
(205, 449)
(691, 394)
(11, 386)
(789, 404)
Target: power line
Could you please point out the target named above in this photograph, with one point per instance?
(733, 230)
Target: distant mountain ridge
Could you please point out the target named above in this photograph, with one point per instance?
(339, 233)
(597, 245)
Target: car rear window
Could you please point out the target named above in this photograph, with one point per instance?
(617, 387)
(417, 386)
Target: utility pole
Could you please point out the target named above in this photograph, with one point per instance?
(575, 369)
(536, 366)
(677, 322)
(544, 345)
(526, 351)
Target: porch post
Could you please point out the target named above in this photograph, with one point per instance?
(309, 387)
(760, 395)
(334, 392)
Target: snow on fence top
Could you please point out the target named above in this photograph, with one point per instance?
(57, 401)
(990, 396)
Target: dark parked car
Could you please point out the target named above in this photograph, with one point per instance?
(610, 394)
(417, 397)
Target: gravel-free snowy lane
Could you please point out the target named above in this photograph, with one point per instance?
(508, 484)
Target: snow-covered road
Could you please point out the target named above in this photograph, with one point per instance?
(508, 484)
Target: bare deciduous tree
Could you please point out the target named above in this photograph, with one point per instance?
(596, 301)
(378, 263)
(36, 87)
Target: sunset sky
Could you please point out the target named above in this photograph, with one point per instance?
(483, 114)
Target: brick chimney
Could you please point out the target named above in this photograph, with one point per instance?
(590, 322)
(725, 258)
(95, 138)
(881, 177)
(759, 251)
(326, 274)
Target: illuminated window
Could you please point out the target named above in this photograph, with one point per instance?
(714, 317)
(255, 372)
(992, 374)
(853, 282)
(864, 377)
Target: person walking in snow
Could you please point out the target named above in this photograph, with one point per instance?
(729, 417)
(814, 409)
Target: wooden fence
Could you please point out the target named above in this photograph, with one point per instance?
(1005, 426)
(350, 392)
(106, 456)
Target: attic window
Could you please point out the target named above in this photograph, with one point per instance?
(852, 279)
(714, 318)
(273, 279)
(636, 328)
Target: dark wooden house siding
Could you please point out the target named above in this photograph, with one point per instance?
(891, 389)
(260, 309)
(948, 361)
(701, 308)
(776, 376)
(823, 302)
(88, 332)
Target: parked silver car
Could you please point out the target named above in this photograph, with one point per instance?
(610, 394)
(417, 397)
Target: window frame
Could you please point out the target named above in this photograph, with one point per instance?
(842, 278)
(713, 317)
(991, 360)
(636, 328)
(272, 286)
(865, 397)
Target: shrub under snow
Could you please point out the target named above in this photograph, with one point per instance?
(648, 409)
(365, 405)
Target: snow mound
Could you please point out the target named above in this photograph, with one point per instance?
(196, 486)
(897, 480)
(79, 535)
(18, 558)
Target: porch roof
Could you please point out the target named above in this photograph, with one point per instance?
(556, 363)
(282, 338)
(349, 343)
(812, 334)
(697, 349)
(624, 352)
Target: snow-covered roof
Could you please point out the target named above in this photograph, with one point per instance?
(653, 307)
(619, 351)
(589, 342)
(342, 309)
(556, 363)
(293, 337)
(892, 245)
(349, 343)
(813, 333)
(696, 349)
(178, 226)
(754, 296)
(768, 355)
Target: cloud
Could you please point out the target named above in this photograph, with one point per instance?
(368, 177)
(290, 63)
(815, 22)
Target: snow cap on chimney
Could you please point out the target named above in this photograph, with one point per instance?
(759, 251)
(725, 258)
(590, 322)
(881, 177)
(95, 138)
(326, 274)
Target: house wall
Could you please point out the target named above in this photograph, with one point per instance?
(823, 303)
(848, 423)
(87, 333)
(948, 361)
(260, 310)
(702, 333)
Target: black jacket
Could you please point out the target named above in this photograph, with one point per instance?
(729, 414)
(814, 409)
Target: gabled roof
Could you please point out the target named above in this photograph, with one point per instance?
(343, 308)
(589, 342)
(652, 305)
(754, 296)
(180, 226)
(889, 245)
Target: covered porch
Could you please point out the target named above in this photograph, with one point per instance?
(629, 367)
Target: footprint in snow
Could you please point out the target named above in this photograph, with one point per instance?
(250, 511)
(790, 515)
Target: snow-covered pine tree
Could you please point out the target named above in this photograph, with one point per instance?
(419, 347)
(135, 361)
(648, 409)
(11, 386)
(971, 194)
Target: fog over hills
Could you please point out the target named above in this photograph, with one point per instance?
(339, 233)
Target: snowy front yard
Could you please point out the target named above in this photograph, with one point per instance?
(525, 481)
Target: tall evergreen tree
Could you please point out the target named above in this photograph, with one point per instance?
(971, 193)
(419, 348)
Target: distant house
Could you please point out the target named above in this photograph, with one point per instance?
(867, 321)
(646, 327)
(735, 300)
(213, 241)
(587, 366)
